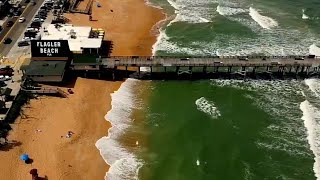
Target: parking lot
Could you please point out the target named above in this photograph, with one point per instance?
(33, 30)
(30, 28)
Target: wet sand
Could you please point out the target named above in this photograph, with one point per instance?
(76, 158)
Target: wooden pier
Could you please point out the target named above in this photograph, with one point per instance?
(203, 61)
(206, 65)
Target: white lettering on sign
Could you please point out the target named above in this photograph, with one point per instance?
(48, 48)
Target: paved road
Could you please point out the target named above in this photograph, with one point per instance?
(14, 19)
(18, 28)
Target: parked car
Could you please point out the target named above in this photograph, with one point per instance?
(18, 12)
(311, 56)
(26, 1)
(33, 3)
(41, 16)
(299, 58)
(30, 34)
(27, 39)
(10, 23)
(4, 77)
(34, 28)
(23, 43)
(6, 71)
(35, 24)
(7, 41)
(21, 19)
(42, 13)
(243, 59)
(38, 19)
(2, 84)
(30, 29)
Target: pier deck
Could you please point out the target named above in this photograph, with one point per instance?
(201, 62)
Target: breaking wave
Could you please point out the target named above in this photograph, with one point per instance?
(311, 117)
(123, 164)
(228, 11)
(207, 107)
(304, 16)
(281, 100)
(314, 50)
(191, 11)
(270, 39)
(264, 21)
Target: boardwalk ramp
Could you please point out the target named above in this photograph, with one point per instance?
(47, 91)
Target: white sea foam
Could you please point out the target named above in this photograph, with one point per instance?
(314, 50)
(314, 86)
(304, 16)
(275, 41)
(192, 11)
(123, 164)
(198, 162)
(228, 11)
(264, 21)
(311, 117)
(161, 38)
(280, 100)
(207, 107)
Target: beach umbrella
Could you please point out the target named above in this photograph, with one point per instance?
(24, 157)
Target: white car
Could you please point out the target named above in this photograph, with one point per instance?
(4, 78)
(26, 39)
(38, 19)
(32, 29)
(21, 19)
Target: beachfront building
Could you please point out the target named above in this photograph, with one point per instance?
(81, 39)
(49, 61)
(46, 71)
(60, 48)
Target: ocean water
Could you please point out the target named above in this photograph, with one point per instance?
(239, 27)
(221, 129)
(214, 129)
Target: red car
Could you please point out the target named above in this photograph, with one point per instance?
(6, 71)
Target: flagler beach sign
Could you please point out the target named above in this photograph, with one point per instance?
(50, 48)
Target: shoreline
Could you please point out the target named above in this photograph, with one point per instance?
(155, 32)
(55, 156)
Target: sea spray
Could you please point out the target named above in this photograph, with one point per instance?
(192, 11)
(264, 21)
(207, 107)
(228, 11)
(314, 86)
(123, 164)
(311, 117)
(304, 16)
(314, 50)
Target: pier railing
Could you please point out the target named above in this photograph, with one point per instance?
(215, 57)
(158, 61)
(44, 90)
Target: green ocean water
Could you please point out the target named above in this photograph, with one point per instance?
(222, 129)
(240, 27)
(202, 130)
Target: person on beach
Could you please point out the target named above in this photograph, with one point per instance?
(34, 174)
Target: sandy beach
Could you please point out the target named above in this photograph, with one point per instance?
(41, 131)
(127, 23)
